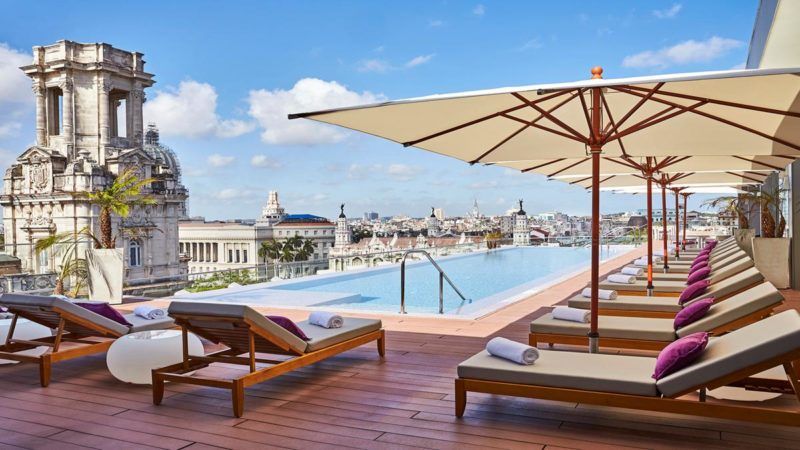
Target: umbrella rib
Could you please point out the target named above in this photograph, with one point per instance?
(600, 181)
(568, 167)
(723, 102)
(624, 162)
(637, 106)
(555, 107)
(745, 177)
(542, 127)
(611, 120)
(652, 120)
(551, 117)
(585, 110)
(693, 109)
(482, 119)
(542, 165)
(759, 163)
(580, 181)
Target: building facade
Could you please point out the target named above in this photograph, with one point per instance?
(89, 128)
(222, 245)
(522, 231)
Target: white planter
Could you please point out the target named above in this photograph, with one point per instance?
(106, 273)
(745, 240)
(771, 256)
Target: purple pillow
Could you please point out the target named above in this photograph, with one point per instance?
(287, 324)
(693, 312)
(700, 260)
(697, 275)
(693, 291)
(105, 310)
(701, 266)
(680, 354)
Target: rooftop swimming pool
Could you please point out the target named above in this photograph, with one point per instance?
(488, 279)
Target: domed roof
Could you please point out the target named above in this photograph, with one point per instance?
(161, 153)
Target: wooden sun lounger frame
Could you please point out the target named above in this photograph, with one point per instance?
(673, 404)
(180, 372)
(69, 328)
(642, 344)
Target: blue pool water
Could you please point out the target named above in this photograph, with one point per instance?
(482, 277)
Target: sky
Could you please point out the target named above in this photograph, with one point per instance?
(228, 73)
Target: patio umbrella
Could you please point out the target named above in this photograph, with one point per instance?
(743, 112)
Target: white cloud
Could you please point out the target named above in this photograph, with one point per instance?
(9, 129)
(265, 162)
(479, 10)
(668, 13)
(403, 172)
(373, 65)
(270, 108)
(15, 86)
(419, 60)
(435, 23)
(217, 160)
(191, 111)
(229, 193)
(531, 44)
(686, 52)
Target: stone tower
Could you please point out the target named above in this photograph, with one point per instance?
(89, 128)
(433, 224)
(343, 236)
(272, 212)
(522, 232)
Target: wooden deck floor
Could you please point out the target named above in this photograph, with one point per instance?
(354, 400)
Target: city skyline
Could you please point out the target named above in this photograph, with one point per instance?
(222, 108)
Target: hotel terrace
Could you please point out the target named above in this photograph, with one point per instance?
(685, 341)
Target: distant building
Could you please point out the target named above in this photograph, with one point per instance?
(370, 216)
(343, 234)
(522, 231)
(219, 245)
(433, 223)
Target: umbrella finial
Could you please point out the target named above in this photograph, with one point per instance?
(597, 72)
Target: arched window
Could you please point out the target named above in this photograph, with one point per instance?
(135, 253)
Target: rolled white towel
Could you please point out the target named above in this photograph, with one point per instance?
(149, 312)
(512, 351)
(622, 279)
(325, 319)
(635, 271)
(571, 314)
(641, 262)
(603, 294)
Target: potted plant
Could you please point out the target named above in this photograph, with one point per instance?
(70, 268)
(741, 206)
(771, 249)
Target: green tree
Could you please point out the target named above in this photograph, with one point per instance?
(64, 246)
(118, 198)
(270, 249)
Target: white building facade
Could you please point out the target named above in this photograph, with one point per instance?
(84, 94)
(522, 231)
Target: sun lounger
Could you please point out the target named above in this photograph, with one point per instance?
(655, 333)
(246, 332)
(661, 286)
(77, 331)
(739, 281)
(625, 381)
(740, 260)
(667, 306)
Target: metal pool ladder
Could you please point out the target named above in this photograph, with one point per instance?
(442, 277)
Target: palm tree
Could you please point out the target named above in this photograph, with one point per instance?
(305, 249)
(65, 245)
(741, 205)
(118, 198)
(270, 250)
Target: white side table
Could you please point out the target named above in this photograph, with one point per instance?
(132, 357)
(26, 330)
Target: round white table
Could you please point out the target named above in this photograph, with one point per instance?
(26, 330)
(132, 357)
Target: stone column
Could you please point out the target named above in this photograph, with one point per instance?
(103, 102)
(41, 114)
(137, 99)
(68, 117)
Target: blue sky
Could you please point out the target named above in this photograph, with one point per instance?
(227, 72)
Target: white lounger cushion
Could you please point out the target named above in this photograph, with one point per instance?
(593, 372)
(611, 327)
(630, 302)
(769, 338)
(676, 286)
(322, 337)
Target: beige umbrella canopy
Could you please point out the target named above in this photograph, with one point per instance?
(727, 178)
(737, 112)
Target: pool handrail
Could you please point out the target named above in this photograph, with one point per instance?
(442, 276)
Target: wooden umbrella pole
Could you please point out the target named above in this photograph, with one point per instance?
(677, 228)
(649, 175)
(596, 149)
(664, 222)
(685, 213)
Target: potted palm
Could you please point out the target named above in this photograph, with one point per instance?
(105, 262)
(740, 206)
(771, 249)
(70, 268)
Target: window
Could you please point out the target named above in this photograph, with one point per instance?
(119, 113)
(244, 256)
(230, 256)
(238, 254)
(135, 253)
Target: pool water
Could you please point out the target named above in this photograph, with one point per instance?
(484, 277)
